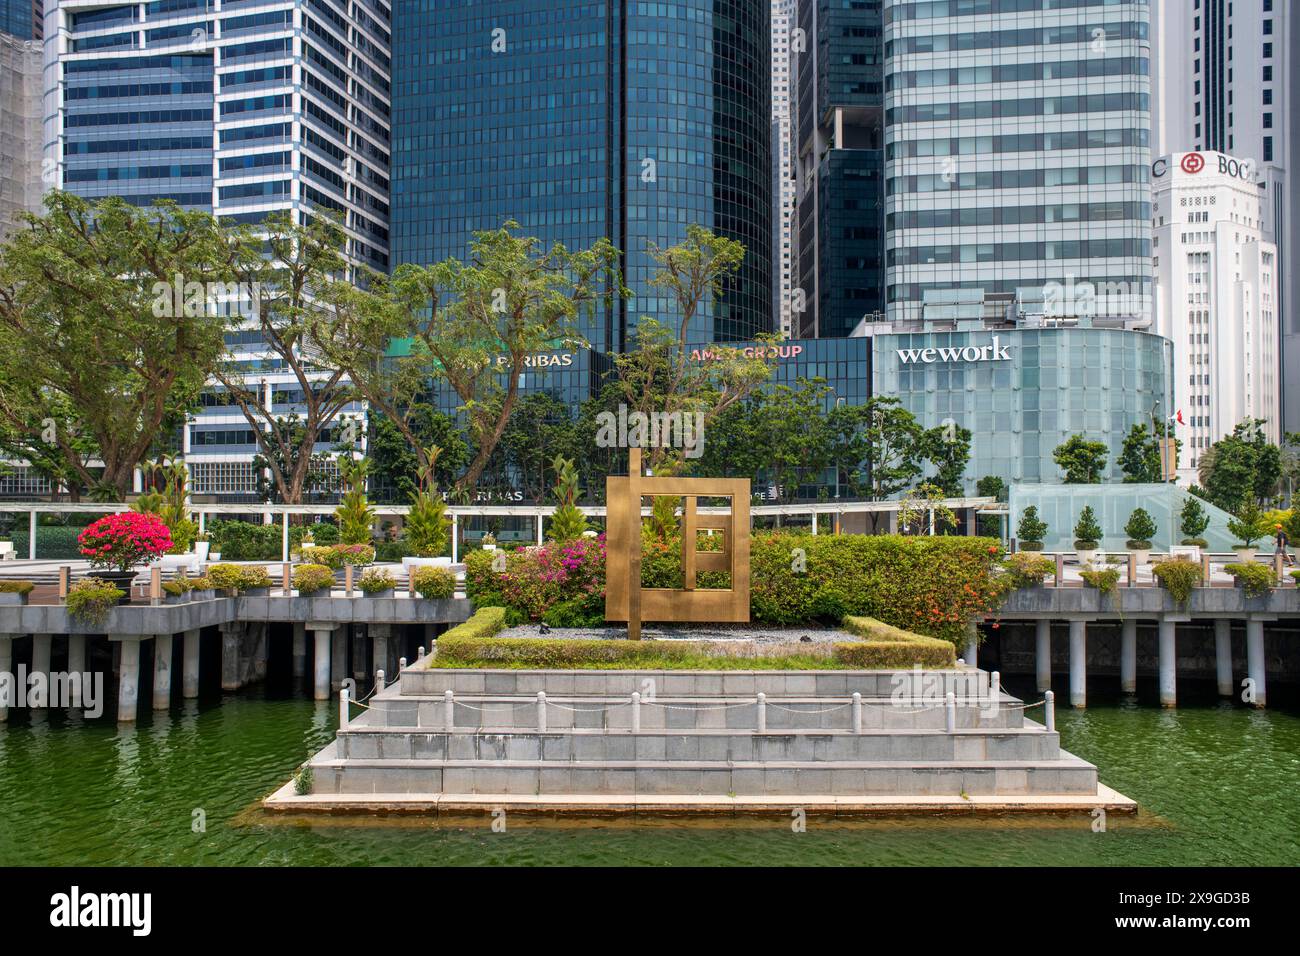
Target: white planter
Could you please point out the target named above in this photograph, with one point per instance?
(214, 557)
(1141, 557)
(409, 563)
(1086, 558)
(1245, 555)
(201, 549)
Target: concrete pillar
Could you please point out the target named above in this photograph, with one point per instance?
(76, 654)
(973, 650)
(41, 644)
(321, 690)
(6, 666)
(455, 538)
(299, 649)
(1128, 658)
(190, 665)
(162, 672)
(1168, 651)
(379, 647)
(1223, 655)
(1255, 657)
(1043, 655)
(231, 639)
(338, 658)
(1078, 664)
(128, 680)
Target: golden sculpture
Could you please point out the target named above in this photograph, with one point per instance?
(625, 599)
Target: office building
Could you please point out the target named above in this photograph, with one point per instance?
(20, 130)
(583, 120)
(1216, 298)
(23, 19)
(782, 164)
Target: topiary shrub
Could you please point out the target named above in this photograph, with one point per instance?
(226, 577)
(1031, 530)
(1141, 528)
(16, 587)
(178, 587)
(586, 611)
(1087, 532)
(1257, 579)
(254, 577)
(1179, 577)
(434, 583)
(1027, 570)
(312, 578)
(1105, 581)
(376, 581)
(1193, 520)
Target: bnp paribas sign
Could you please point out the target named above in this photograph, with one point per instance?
(995, 352)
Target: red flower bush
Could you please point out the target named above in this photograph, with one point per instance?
(122, 541)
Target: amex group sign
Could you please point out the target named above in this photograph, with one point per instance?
(995, 352)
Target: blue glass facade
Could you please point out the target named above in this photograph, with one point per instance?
(23, 19)
(584, 120)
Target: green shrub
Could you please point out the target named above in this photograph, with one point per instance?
(303, 780)
(52, 541)
(1028, 569)
(434, 583)
(427, 525)
(178, 587)
(393, 551)
(1179, 577)
(1031, 530)
(1087, 532)
(91, 599)
(311, 578)
(884, 646)
(16, 587)
(484, 622)
(245, 541)
(586, 611)
(1193, 520)
(1247, 525)
(375, 580)
(255, 576)
(226, 577)
(1105, 580)
(1295, 575)
(1141, 528)
(1257, 579)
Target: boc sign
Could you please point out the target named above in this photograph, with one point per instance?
(996, 352)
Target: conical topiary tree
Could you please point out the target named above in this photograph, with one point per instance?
(1087, 532)
(1194, 520)
(1141, 528)
(1031, 530)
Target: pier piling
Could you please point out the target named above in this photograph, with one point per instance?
(76, 654)
(1078, 664)
(6, 667)
(299, 649)
(1168, 652)
(128, 680)
(1043, 656)
(162, 672)
(190, 664)
(1128, 658)
(1255, 657)
(1223, 655)
(321, 664)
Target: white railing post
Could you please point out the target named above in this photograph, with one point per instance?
(857, 712)
(419, 653)
(401, 664)
(762, 712)
(379, 681)
(995, 686)
(448, 710)
(951, 713)
(1049, 711)
(541, 711)
(636, 712)
(343, 709)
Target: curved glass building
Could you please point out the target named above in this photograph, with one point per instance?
(579, 120)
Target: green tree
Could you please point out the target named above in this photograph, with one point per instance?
(920, 506)
(991, 486)
(1244, 460)
(107, 334)
(427, 523)
(1031, 530)
(395, 462)
(1082, 461)
(1193, 520)
(947, 448)
(354, 514)
(282, 457)
(1140, 528)
(1139, 458)
(567, 523)
(540, 430)
(1247, 524)
(1087, 532)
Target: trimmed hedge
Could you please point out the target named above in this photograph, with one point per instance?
(16, 587)
(311, 578)
(433, 582)
(884, 646)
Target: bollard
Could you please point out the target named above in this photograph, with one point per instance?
(951, 709)
(401, 664)
(857, 712)
(155, 586)
(995, 686)
(1277, 568)
(762, 712)
(541, 711)
(1060, 570)
(1049, 711)
(448, 710)
(379, 681)
(347, 579)
(286, 578)
(636, 712)
(343, 709)
(1205, 569)
(419, 653)
(410, 583)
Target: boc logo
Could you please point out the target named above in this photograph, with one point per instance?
(1193, 163)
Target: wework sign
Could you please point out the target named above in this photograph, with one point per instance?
(995, 352)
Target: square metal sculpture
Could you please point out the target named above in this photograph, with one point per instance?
(626, 600)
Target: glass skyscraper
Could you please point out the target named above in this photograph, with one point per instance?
(1017, 147)
(581, 120)
(840, 166)
(24, 19)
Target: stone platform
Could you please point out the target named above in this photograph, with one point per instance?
(708, 742)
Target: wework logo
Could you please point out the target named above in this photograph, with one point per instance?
(997, 352)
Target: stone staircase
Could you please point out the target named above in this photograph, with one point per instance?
(785, 738)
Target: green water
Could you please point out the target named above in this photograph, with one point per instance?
(1218, 784)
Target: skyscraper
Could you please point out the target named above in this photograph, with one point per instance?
(1017, 150)
(20, 129)
(1227, 80)
(24, 19)
(840, 166)
(245, 110)
(783, 12)
(582, 120)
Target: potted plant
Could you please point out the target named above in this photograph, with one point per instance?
(1256, 579)
(1087, 536)
(1031, 530)
(377, 583)
(15, 592)
(311, 579)
(1028, 570)
(1179, 577)
(116, 544)
(177, 591)
(202, 589)
(91, 599)
(226, 577)
(1247, 526)
(202, 545)
(1193, 521)
(1141, 528)
(489, 542)
(255, 581)
(434, 583)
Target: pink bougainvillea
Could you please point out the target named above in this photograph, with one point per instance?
(122, 541)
